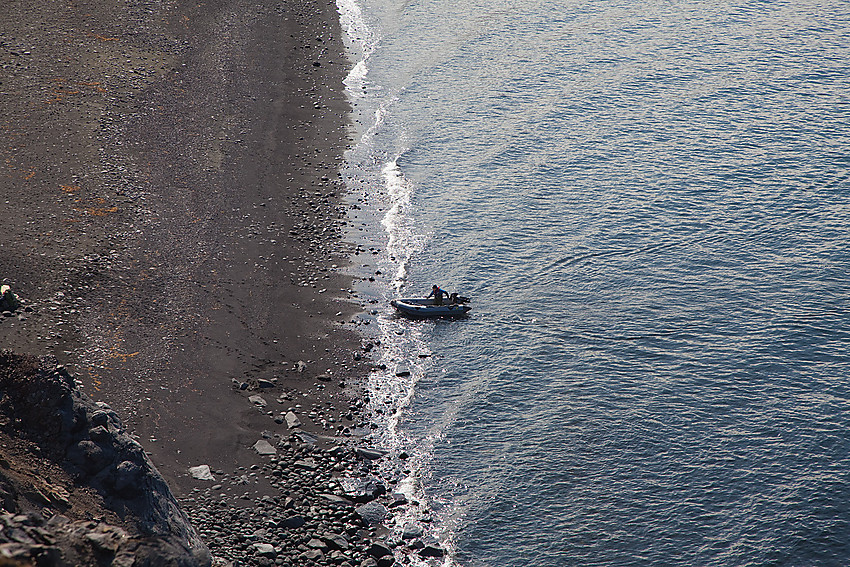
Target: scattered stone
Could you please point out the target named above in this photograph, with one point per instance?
(306, 464)
(306, 438)
(337, 541)
(259, 401)
(431, 547)
(335, 499)
(312, 555)
(316, 543)
(363, 489)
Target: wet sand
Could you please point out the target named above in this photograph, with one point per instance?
(172, 213)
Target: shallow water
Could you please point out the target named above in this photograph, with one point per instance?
(649, 204)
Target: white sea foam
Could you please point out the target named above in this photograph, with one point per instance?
(402, 240)
(361, 43)
(356, 79)
(403, 343)
(391, 397)
(384, 187)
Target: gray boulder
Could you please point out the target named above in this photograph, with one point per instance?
(372, 513)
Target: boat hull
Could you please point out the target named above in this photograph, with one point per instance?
(425, 308)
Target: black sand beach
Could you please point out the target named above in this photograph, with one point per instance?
(172, 219)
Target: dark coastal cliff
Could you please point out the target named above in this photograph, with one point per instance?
(76, 489)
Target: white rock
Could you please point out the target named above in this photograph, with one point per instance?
(201, 472)
(263, 447)
(292, 420)
(265, 549)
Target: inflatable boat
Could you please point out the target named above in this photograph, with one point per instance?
(420, 307)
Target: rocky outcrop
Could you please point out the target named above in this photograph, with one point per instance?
(29, 540)
(43, 414)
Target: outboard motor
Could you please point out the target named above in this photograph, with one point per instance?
(458, 298)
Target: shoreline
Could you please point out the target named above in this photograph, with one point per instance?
(178, 234)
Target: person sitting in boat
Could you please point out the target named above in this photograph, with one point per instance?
(437, 294)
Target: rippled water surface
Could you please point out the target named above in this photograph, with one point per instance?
(649, 203)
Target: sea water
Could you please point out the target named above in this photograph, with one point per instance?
(649, 204)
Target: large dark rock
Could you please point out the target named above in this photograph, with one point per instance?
(363, 490)
(379, 549)
(431, 547)
(372, 513)
(337, 541)
(293, 522)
